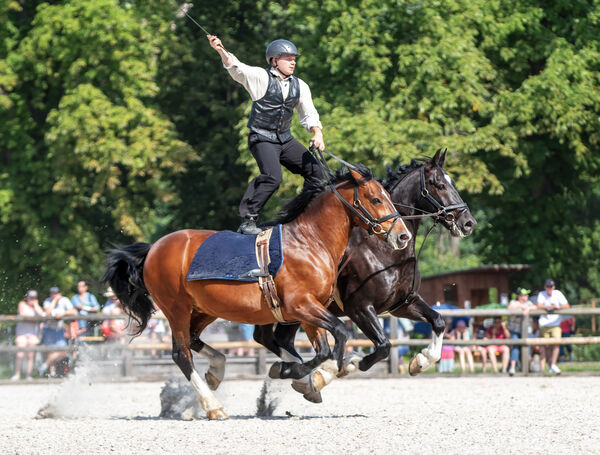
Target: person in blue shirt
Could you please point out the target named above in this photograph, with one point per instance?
(85, 303)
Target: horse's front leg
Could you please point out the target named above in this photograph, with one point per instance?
(366, 319)
(312, 314)
(418, 310)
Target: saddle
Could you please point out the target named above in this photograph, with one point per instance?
(227, 255)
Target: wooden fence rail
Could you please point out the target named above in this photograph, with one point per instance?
(137, 345)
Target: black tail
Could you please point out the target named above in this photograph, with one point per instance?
(124, 274)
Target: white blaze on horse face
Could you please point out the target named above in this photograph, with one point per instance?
(448, 179)
(205, 397)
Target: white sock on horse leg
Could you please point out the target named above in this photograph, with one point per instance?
(205, 397)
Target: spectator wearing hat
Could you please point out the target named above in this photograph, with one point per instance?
(525, 305)
(461, 332)
(551, 299)
(111, 301)
(27, 333)
(54, 331)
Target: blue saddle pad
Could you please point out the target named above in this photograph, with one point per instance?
(228, 255)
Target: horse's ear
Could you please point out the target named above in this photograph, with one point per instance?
(433, 162)
(356, 176)
(442, 159)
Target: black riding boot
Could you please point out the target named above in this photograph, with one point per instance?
(248, 226)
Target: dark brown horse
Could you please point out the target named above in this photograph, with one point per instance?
(319, 225)
(375, 280)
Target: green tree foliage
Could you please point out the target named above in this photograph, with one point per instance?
(118, 122)
(86, 156)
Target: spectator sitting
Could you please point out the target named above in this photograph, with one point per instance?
(54, 331)
(498, 331)
(85, 303)
(551, 299)
(27, 333)
(446, 364)
(514, 324)
(483, 353)
(114, 329)
(535, 352)
(461, 332)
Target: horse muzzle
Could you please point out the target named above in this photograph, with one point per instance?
(398, 239)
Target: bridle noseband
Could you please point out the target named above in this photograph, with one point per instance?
(373, 224)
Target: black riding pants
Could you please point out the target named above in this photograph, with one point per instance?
(270, 156)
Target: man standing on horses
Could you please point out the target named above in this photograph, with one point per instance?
(275, 93)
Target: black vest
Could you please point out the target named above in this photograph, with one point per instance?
(271, 116)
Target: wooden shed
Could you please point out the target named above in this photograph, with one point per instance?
(470, 285)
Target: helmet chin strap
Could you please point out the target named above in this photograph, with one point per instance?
(279, 69)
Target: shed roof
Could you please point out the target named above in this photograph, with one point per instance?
(506, 268)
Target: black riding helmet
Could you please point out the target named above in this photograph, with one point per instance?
(278, 47)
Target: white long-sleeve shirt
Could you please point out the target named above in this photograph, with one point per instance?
(256, 82)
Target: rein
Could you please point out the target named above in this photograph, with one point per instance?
(374, 224)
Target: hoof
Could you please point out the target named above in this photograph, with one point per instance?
(212, 381)
(217, 414)
(307, 392)
(413, 367)
(313, 397)
(275, 370)
(302, 387)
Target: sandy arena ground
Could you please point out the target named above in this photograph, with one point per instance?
(449, 415)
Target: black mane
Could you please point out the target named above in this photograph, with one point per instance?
(393, 177)
(314, 188)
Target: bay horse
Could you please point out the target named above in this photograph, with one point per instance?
(375, 280)
(314, 237)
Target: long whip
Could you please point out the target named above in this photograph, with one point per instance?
(183, 11)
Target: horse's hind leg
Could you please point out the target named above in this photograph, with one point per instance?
(418, 310)
(216, 360)
(182, 355)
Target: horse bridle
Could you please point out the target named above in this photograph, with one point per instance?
(373, 224)
(440, 212)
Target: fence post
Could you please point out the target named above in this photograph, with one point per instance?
(126, 362)
(393, 358)
(261, 362)
(524, 347)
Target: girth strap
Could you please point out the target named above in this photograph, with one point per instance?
(265, 281)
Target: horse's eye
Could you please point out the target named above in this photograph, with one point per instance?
(376, 200)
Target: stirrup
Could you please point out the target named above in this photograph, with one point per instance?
(249, 228)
